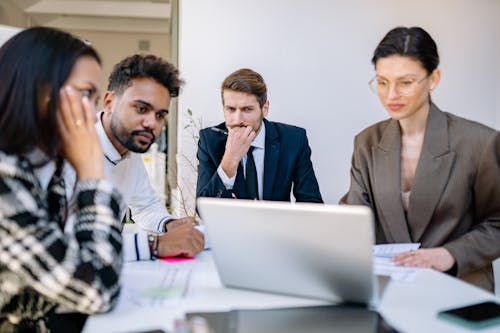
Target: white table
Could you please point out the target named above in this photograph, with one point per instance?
(408, 306)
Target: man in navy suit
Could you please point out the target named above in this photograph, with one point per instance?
(249, 157)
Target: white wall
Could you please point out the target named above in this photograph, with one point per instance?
(6, 32)
(315, 57)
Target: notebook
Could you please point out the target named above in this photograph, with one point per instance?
(306, 250)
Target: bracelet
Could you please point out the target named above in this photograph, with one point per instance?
(153, 245)
(165, 224)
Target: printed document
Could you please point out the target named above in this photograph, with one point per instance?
(153, 283)
(383, 264)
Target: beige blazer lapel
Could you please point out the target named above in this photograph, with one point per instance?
(432, 174)
(387, 184)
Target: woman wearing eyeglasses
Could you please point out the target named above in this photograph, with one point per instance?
(429, 176)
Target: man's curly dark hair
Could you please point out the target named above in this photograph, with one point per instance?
(144, 66)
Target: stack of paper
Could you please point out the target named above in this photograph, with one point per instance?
(383, 264)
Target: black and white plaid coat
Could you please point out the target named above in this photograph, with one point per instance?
(40, 266)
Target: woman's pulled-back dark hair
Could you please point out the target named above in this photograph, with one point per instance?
(412, 42)
(34, 64)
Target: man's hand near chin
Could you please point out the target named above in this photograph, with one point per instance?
(238, 142)
(182, 238)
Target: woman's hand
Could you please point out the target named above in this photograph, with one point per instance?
(437, 258)
(80, 142)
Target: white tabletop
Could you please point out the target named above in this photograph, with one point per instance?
(410, 306)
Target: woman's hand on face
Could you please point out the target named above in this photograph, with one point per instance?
(437, 258)
(80, 142)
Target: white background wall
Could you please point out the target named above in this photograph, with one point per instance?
(315, 57)
(6, 32)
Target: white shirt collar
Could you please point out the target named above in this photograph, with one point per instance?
(109, 150)
(45, 170)
(260, 140)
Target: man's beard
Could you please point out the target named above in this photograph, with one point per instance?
(128, 140)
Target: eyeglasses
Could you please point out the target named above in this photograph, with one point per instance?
(405, 87)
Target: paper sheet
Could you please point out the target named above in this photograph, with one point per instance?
(391, 250)
(153, 283)
(383, 264)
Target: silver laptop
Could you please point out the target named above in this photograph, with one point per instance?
(307, 250)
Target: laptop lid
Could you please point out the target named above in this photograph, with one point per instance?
(301, 249)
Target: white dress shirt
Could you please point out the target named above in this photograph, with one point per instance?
(259, 142)
(128, 174)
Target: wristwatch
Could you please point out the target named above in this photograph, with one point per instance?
(165, 225)
(153, 245)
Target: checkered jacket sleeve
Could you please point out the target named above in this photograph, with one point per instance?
(79, 270)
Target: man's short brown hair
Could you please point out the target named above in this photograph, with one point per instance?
(247, 81)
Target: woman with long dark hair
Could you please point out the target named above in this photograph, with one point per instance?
(50, 82)
(429, 176)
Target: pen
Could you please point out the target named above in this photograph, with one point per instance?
(218, 130)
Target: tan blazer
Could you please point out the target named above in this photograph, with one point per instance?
(455, 197)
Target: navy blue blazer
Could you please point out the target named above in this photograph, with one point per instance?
(287, 165)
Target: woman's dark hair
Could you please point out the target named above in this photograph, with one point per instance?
(34, 64)
(412, 42)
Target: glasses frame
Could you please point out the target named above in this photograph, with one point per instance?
(372, 84)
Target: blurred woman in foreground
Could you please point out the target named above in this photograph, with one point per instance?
(50, 83)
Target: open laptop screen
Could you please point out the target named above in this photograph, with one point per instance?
(307, 250)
